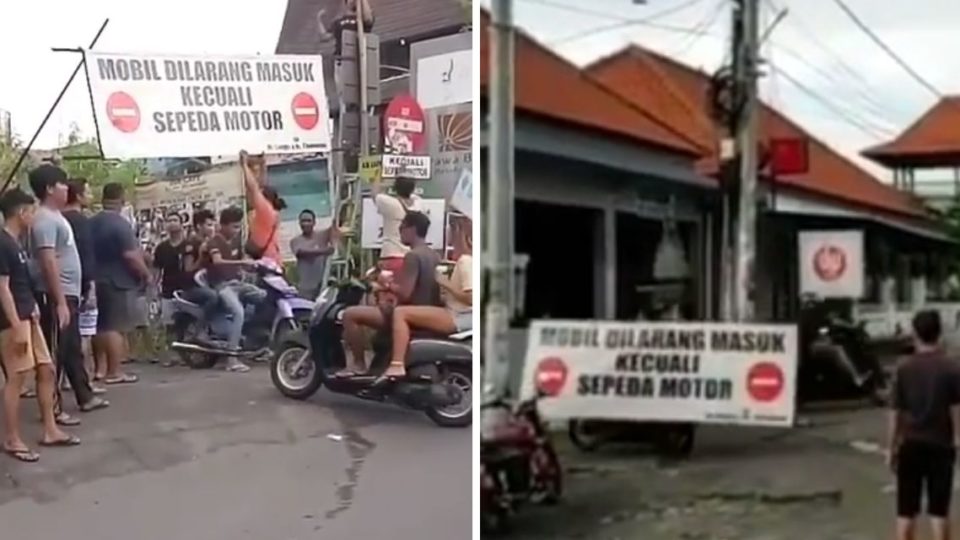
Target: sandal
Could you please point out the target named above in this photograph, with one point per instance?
(71, 440)
(65, 420)
(94, 404)
(126, 378)
(25, 455)
(28, 394)
(239, 367)
(388, 377)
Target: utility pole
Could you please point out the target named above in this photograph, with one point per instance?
(746, 73)
(499, 218)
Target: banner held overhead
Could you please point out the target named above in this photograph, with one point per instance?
(182, 106)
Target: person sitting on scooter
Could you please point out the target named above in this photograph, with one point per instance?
(415, 286)
(457, 313)
(224, 261)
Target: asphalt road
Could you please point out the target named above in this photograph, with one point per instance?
(209, 455)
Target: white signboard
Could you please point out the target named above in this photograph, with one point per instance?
(220, 183)
(416, 167)
(831, 264)
(665, 371)
(462, 198)
(184, 106)
(445, 79)
(371, 232)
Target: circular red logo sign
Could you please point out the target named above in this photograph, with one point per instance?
(551, 376)
(765, 382)
(306, 113)
(404, 125)
(123, 112)
(830, 262)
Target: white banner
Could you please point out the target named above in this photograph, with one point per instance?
(462, 199)
(371, 232)
(415, 167)
(184, 106)
(831, 264)
(664, 371)
(445, 79)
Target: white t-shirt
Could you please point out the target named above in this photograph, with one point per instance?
(392, 211)
(461, 278)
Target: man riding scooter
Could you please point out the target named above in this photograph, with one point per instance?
(224, 262)
(416, 285)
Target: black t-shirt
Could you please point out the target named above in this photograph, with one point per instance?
(926, 386)
(230, 250)
(81, 234)
(172, 260)
(13, 263)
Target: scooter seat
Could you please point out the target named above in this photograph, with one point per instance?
(427, 334)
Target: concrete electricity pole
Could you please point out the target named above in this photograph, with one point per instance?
(499, 186)
(746, 73)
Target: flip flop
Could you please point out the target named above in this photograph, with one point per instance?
(25, 455)
(238, 368)
(28, 394)
(71, 440)
(65, 420)
(127, 378)
(94, 404)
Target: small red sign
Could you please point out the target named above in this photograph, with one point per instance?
(551, 376)
(830, 262)
(789, 157)
(404, 126)
(123, 112)
(765, 382)
(306, 113)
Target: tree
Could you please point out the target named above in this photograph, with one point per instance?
(78, 159)
(10, 150)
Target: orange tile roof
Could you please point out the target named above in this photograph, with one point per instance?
(934, 139)
(551, 87)
(677, 94)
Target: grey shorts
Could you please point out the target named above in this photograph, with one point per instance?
(114, 308)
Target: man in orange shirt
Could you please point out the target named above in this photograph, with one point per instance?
(266, 205)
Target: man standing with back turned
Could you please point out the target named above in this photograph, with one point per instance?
(924, 429)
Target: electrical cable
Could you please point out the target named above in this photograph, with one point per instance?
(705, 24)
(887, 49)
(625, 23)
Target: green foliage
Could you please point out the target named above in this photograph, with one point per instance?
(97, 171)
(9, 153)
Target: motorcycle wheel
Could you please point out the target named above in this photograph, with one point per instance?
(288, 354)
(194, 360)
(581, 437)
(459, 415)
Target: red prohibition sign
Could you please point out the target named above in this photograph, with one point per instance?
(551, 376)
(830, 262)
(123, 112)
(765, 382)
(306, 113)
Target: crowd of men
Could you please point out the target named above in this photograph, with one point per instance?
(66, 275)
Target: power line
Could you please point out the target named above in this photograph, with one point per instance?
(873, 131)
(625, 23)
(705, 24)
(650, 24)
(887, 49)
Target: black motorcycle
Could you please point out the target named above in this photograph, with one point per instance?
(837, 361)
(518, 463)
(439, 368)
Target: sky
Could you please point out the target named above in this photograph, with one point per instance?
(862, 96)
(33, 75)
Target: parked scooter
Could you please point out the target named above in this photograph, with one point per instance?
(518, 464)
(201, 342)
(439, 372)
(837, 360)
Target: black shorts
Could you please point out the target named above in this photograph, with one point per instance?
(114, 308)
(924, 467)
